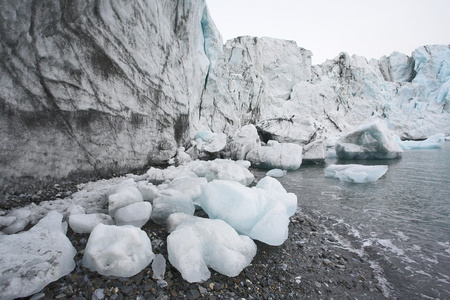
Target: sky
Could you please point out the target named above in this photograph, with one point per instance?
(369, 28)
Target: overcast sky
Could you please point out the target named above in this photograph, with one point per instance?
(370, 28)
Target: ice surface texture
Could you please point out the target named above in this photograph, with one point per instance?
(198, 243)
(356, 173)
(30, 260)
(286, 156)
(370, 141)
(259, 212)
(117, 250)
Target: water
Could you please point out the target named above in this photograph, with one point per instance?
(400, 222)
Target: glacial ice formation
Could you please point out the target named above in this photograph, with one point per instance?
(433, 142)
(259, 213)
(370, 141)
(244, 139)
(356, 173)
(286, 156)
(30, 260)
(136, 214)
(276, 173)
(85, 223)
(169, 202)
(117, 250)
(198, 243)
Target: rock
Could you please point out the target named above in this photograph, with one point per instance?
(30, 260)
(370, 141)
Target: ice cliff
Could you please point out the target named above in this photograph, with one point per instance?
(99, 87)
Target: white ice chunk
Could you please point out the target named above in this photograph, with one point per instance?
(433, 142)
(16, 226)
(244, 140)
(356, 173)
(210, 142)
(31, 260)
(7, 220)
(251, 211)
(276, 173)
(158, 267)
(286, 156)
(276, 191)
(169, 202)
(85, 223)
(117, 250)
(315, 152)
(75, 209)
(199, 243)
(148, 190)
(182, 157)
(124, 195)
(189, 186)
(371, 141)
(136, 214)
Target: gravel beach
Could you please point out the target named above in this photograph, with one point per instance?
(311, 264)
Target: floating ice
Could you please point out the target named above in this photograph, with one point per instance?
(169, 202)
(136, 214)
(244, 140)
(85, 223)
(30, 260)
(433, 142)
(356, 173)
(251, 211)
(314, 152)
(371, 141)
(117, 250)
(122, 196)
(198, 243)
(284, 156)
(276, 173)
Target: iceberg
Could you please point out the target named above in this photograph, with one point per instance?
(356, 173)
(370, 141)
(198, 243)
(433, 142)
(276, 173)
(250, 211)
(117, 250)
(31, 260)
(286, 156)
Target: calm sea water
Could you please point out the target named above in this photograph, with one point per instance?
(401, 222)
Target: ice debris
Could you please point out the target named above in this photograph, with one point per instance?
(30, 260)
(198, 243)
(169, 202)
(433, 142)
(370, 141)
(136, 214)
(85, 223)
(259, 213)
(276, 173)
(244, 140)
(117, 250)
(356, 173)
(286, 156)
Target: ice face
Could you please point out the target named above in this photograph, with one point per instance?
(198, 243)
(370, 141)
(284, 156)
(117, 250)
(85, 223)
(136, 214)
(38, 257)
(251, 211)
(356, 173)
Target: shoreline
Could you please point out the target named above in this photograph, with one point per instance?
(310, 264)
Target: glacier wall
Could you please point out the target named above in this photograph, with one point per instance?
(97, 87)
(94, 88)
